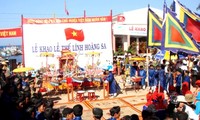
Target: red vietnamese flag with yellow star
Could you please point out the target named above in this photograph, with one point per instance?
(71, 33)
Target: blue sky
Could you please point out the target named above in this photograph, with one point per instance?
(11, 10)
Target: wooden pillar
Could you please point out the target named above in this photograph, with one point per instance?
(105, 89)
(70, 95)
(137, 48)
(128, 41)
(114, 43)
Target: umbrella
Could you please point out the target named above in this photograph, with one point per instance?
(66, 58)
(23, 69)
(69, 53)
(137, 59)
(93, 53)
(46, 54)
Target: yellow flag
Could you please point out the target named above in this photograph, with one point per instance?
(167, 55)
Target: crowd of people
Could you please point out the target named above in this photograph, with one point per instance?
(173, 93)
(174, 86)
(21, 99)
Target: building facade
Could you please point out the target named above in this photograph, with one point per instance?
(130, 30)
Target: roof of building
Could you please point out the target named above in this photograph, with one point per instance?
(138, 16)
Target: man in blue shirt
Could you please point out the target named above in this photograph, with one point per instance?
(142, 73)
(40, 110)
(133, 69)
(179, 81)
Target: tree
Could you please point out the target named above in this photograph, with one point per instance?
(119, 51)
(132, 48)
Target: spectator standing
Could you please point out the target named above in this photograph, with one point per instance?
(152, 83)
(97, 113)
(186, 78)
(142, 73)
(78, 111)
(194, 73)
(118, 66)
(197, 103)
(179, 81)
(133, 69)
(115, 113)
(183, 107)
(40, 110)
(67, 114)
(169, 80)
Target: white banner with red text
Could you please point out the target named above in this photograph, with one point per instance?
(80, 35)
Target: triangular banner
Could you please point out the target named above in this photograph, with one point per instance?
(193, 27)
(154, 29)
(190, 19)
(175, 37)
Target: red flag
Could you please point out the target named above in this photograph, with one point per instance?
(157, 33)
(193, 27)
(189, 19)
(176, 37)
(120, 18)
(71, 33)
(66, 11)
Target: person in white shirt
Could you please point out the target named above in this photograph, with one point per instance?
(184, 65)
(182, 106)
(166, 66)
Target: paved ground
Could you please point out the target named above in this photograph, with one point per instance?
(129, 100)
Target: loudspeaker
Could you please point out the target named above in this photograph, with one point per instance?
(12, 64)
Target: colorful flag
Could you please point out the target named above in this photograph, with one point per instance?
(71, 33)
(190, 19)
(175, 38)
(167, 55)
(154, 29)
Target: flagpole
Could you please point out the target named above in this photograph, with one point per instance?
(23, 58)
(84, 14)
(164, 11)
(147, 58)
(65, 8)
(111, 31)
